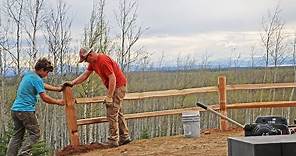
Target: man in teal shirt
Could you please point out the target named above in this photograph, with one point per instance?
(23, 108)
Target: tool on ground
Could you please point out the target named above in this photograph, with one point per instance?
(263, 125)
(219, 114)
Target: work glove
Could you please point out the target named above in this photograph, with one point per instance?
(66, 84)
(108, 100)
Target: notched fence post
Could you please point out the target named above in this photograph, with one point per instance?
(71, 116)
(222, 101)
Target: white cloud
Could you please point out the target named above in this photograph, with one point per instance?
(215, 44)
(193, 27)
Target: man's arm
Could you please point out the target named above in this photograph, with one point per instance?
(81, 77)
(111, 85)
(51, 100)
(52, 88)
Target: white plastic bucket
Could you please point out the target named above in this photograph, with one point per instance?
(191, 124)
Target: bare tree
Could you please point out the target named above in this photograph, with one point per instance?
(205, 60)
(96, 33)
(161, 61)
(231, 59)
(4, 63)
(184, 65)
(34, 17)
(58, 34)
(2, 107)
(3, 95)
(252, 56)
(279, 52)
(269, 25)
(294, 65)
(65, 33)
(14, 9)
(236, 60)
(4, 47)
(129, 34)
(4, 38)
(58, 38)
(273, 40)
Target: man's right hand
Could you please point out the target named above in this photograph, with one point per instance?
(67, 84)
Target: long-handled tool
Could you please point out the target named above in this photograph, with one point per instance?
(219, 114)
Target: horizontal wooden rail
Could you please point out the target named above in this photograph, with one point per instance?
(260, 86)
(144, 115)
(179, 111)
(152, 94)
(182, 92)
(271, 104)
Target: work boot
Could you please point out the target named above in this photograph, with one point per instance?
(25, 153)
(125, 141)
(110, 144)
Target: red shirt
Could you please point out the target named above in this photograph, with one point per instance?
(105, 66)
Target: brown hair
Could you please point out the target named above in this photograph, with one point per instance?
(44, 64)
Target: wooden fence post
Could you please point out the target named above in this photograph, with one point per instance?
(71, 116)
(222, 101)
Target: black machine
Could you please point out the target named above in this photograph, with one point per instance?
(264, 125)
(267, 125)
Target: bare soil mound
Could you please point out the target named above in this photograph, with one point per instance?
(212, 142)
(70, 150)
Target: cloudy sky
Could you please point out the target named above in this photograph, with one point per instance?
(196, 28)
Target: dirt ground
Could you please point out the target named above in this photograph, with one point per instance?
(211, 143)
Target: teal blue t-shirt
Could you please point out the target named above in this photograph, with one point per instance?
(29, 89)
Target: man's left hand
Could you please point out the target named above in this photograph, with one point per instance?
(108, 99)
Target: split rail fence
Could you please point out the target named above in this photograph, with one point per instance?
(222, 105)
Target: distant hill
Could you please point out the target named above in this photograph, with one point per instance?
(215, 64)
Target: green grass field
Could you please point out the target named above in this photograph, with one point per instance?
(52, 118)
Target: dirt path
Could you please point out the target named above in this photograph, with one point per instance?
(213, 144)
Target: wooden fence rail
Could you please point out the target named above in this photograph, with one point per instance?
(152, 94)
(222, 105)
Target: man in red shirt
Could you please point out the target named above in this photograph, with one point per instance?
(115, 81)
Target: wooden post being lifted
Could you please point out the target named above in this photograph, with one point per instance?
(222, 101)
(71, 116)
